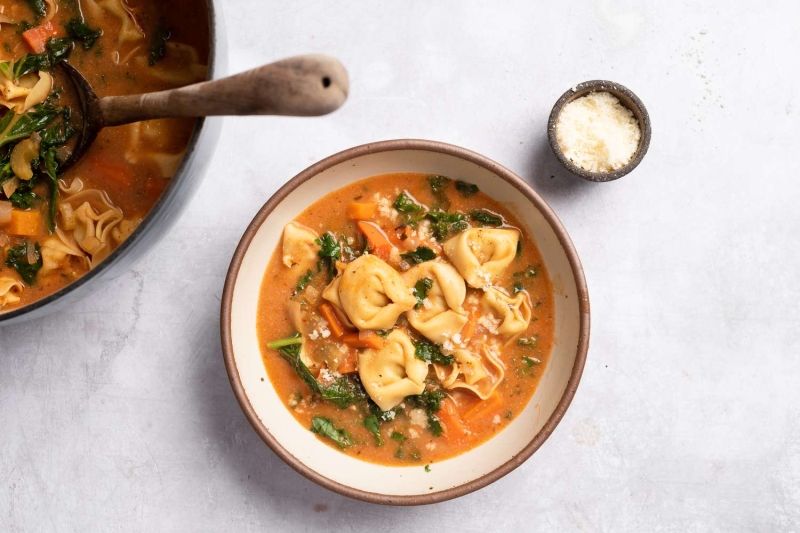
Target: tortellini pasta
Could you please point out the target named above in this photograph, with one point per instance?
(331, 293)
(373, 294)
(481, 255)
(391, 373)
(129, 30)
(299, 247)
(95, 219)
(514, 313)
(57, 250)
(31, 90)
(10, 290)
(442, 315)
(470, 371)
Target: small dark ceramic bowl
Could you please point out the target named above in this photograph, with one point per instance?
(626, 98)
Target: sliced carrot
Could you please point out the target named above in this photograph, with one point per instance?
(350, 363)
(328, 313)
(24, 223)
(448, 415)
(484, 409)
(365, 339)
(37, 37)
(362, 210)
(379, 243)
(469, 328)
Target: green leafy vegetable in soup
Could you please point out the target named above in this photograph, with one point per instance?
(79, 31)
(421, 288)
(26, 259)
(325, 427)
(420, 255)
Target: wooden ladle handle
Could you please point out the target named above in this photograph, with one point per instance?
(303, 86)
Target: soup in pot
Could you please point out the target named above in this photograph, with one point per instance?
(56, 226)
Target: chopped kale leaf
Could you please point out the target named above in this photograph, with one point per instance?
(431, 353)
(444, 224)
(32, 121)
(485, 218)
(324, 426)
(158, 46)
(530, 341)
(518, 287)
(304, 280)
(406, 204)
(39, 7)
(420, 255)
(466, 189)
(431, 401)
(439, 184)
(531, 361)
(421, 288)
(17, 258)
(23, 199)
(343, 392)
(329, 252)
(372, 423)
(79, 31)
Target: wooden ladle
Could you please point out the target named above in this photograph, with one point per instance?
(301, 86)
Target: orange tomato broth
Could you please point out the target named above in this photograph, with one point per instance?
(123, 161)
(472, 421)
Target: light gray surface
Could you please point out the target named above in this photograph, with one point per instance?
(117, 416)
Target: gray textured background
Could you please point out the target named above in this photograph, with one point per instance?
(117, 415)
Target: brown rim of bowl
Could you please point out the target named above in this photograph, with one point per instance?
(626, 98)
(389, 146)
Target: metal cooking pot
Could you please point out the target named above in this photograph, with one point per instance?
(164, 213)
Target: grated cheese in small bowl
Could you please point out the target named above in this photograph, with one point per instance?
(599, 130)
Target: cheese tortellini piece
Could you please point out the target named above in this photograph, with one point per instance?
(56, 252)
(299, 247)
(481, 255)
(470, 371)
(10, 290)
(372, 293)
(442, 315)
(514, 313)
(393, 372)
(331, 293)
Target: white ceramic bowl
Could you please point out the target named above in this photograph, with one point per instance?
(394, 485)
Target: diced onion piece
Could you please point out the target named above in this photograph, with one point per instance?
(32, 254)
(67, 216)
(63, 153)
(91, 244)
(5, 240)
(5, 212)
(10, 186)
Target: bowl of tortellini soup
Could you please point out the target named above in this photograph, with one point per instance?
(405, 322)
(65, 232)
